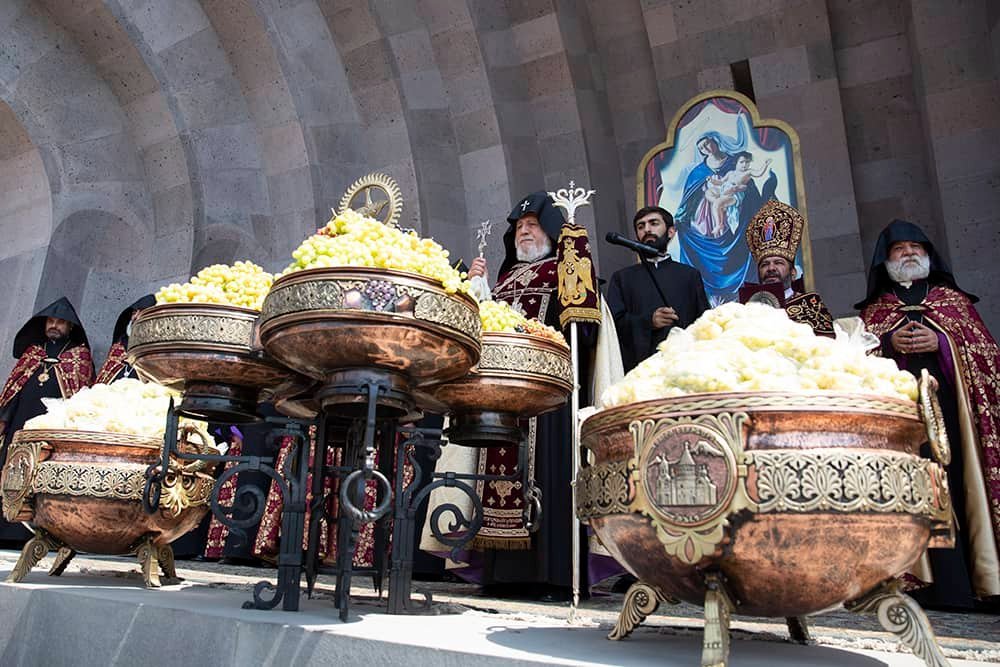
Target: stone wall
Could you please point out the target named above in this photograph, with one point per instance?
(141, 140)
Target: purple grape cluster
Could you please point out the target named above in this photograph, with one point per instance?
(381, 294)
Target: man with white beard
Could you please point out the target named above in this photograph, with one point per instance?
(510, 561)
(925, 321)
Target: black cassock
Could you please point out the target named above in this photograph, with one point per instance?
(633, 296)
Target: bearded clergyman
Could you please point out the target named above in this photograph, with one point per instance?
(515, 561)
(53, 361)
(925, 321)
(773, 236)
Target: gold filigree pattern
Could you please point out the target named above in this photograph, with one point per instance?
(845, 481)
(603, 489)
(500, 357)
(751, 402)
(348, 294)
(221, 329)
(450, 312)
(118, 481)
(775, 231)
(302, 296)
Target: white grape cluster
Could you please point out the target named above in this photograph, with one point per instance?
(127, 406)
(243, 284)
(498, 316)
(755, 347)
(351, 239)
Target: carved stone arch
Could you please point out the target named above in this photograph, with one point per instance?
(98, 261)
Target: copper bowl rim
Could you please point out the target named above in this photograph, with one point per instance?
(324, 272)
(87, 437)
(524, 340)
(757, 402)
(220, 308)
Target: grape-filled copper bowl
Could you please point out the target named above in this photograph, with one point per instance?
(520, 373)
(209, 353)
(800, 502)
(338, 324)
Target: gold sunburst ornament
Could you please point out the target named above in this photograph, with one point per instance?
(385, 209)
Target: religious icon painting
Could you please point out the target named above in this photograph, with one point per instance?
(720, 163)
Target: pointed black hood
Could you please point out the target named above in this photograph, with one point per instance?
(549, 217)
(878, 278)
(125, 317)
(33, 331)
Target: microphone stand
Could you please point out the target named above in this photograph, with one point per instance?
(652, 277)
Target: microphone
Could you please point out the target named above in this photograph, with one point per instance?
(641, 248)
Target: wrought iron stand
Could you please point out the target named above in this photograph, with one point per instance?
(251, 501)
(361, 415)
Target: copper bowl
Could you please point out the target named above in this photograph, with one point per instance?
(85, 489)
(348, 325)
(518, 373)
(800, 501)
(207, 352)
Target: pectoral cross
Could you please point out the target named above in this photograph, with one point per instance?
(484, 230)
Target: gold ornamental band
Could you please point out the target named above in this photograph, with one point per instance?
(325, 290)
(87, 437)
(499, 356)
(794, 482)
(171, 324)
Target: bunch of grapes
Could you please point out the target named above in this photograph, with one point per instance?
(498, 316)
(380, 293)
(351, 239)
(536, 328)
(243, 284)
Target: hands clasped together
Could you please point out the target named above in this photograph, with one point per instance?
(914, 338)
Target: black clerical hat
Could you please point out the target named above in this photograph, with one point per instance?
(121, 325)
(549, 218)
(33, 331)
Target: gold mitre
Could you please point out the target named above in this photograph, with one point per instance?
(775, 231)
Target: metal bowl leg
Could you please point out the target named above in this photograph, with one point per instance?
(902, 616)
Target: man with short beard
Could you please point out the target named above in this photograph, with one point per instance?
(514, 561)
(773, 236)
(925, 321)
(650, 298)
(53, 361)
